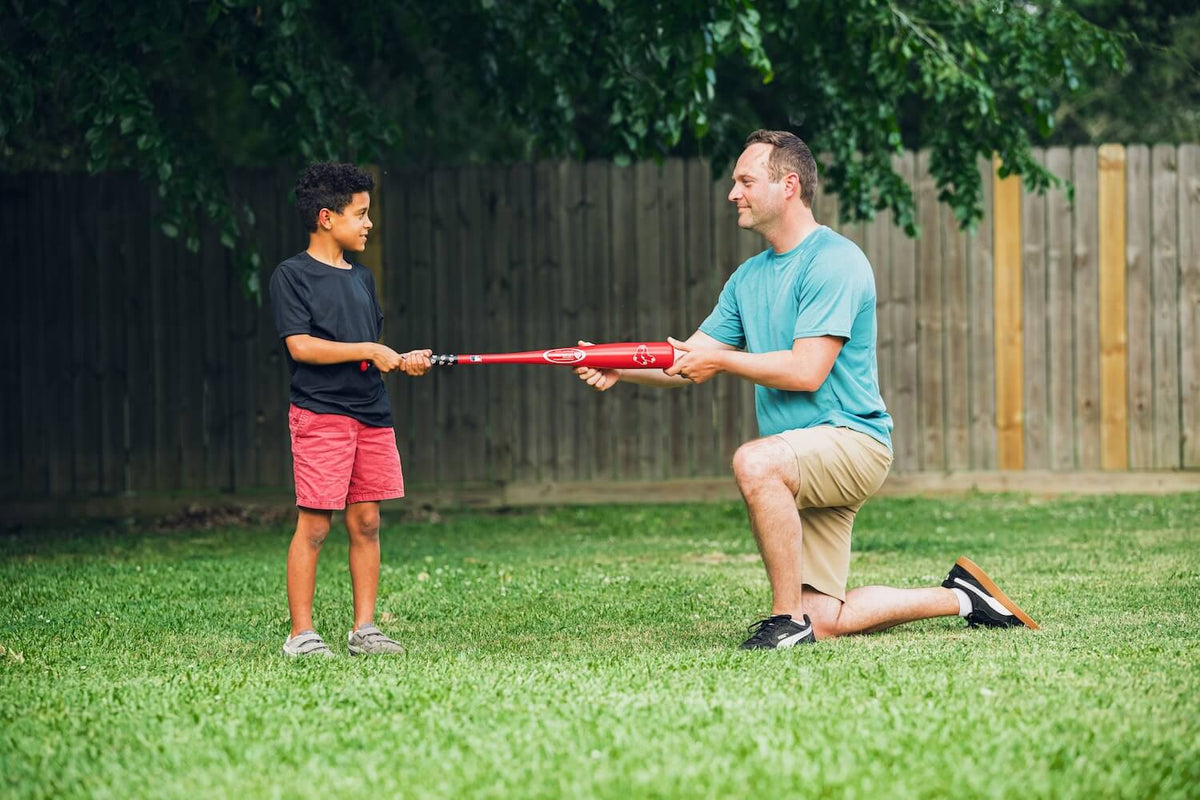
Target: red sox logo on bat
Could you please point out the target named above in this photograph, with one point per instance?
(563, 355)
(643, 357)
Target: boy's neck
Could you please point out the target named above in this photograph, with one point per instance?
(327, 251)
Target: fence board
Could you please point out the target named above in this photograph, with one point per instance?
(111, 335)
(13, 191)
(421, 298)
(703, 288)
(651, 408)
(471, 388)
(673, 310)
(1060, 337)
(624, 322)
(931, 388)
(1140, 312)
(79, 243)
(1009, 343)
(1086, 315)
(1165, 282)
(957, 341)
(1189, 301)
(501, 428)
(1114, 436)
(905, 441)
(980, 285)
(139, 352)
(596, 326)
(878, 252)
(1033, 326)
(725, 262)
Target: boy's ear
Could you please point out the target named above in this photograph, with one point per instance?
(324, 219)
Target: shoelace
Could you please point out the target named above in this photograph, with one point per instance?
(761, 631)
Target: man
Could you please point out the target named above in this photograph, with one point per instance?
(798, 320)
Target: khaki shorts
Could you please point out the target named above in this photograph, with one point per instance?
(839, 469)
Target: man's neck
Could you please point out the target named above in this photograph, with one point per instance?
(327, 251)
(791, 234)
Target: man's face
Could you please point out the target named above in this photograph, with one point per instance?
(759, 201)
(351, 225)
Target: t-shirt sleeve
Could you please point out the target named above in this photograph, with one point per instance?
(289, 304)
(725, 322)
(828, 300)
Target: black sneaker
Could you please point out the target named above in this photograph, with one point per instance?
(779, 631)
(990, 607)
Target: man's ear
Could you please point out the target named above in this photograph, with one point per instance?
(791, 184)
(325, 219)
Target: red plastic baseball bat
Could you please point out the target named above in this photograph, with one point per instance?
(618, 355)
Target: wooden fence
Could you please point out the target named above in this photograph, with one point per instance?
(1056, 337)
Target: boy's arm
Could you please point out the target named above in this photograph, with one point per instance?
(309, 349)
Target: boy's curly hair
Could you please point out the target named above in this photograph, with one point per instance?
(328, 185)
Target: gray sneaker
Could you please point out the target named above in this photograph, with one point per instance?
(370, 641)
(306, 643)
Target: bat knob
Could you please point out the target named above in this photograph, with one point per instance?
(363, 366)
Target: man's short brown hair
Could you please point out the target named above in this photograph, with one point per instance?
(789, 153)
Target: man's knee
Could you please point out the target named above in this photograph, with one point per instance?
(764, 462)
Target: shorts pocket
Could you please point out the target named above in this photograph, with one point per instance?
(298, 419)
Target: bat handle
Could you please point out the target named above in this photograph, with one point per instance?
(443, 360)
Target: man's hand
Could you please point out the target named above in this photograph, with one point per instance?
(599, 379)
(695, 365)
(385, 358)
(416, 362)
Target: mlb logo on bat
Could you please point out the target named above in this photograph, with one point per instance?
(563, 355)
(643, 357)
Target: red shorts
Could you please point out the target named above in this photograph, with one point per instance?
(338, 460)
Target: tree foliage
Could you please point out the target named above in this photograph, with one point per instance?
(184, 90)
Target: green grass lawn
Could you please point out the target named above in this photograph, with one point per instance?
(592, 652)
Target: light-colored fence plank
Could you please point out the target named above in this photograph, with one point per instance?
(1140, 313)
(1009, 344)
(1086, 313)
(1114, 427)
(1189, 301)
(1165, 281)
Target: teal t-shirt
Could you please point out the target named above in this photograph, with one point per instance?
(822, 287)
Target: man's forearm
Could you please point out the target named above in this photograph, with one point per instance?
(652, 377)
(780, 369)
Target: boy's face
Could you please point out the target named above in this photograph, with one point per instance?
(349, 227)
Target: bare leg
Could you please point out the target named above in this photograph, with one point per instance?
(875, 608)
(311, 529)
(362, 522)
(768, 478)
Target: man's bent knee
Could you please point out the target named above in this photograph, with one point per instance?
(823, 611)
(764, 462)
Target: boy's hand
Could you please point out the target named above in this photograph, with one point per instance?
(416, 362)
(599, 379)
(386, 359)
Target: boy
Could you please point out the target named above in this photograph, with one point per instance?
(343, 445)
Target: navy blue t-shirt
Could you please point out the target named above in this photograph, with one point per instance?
(339, 305)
